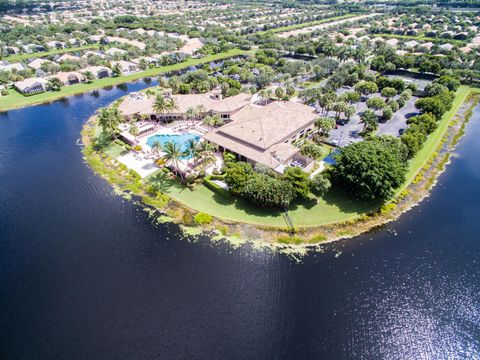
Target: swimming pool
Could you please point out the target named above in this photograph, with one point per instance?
(180, 139)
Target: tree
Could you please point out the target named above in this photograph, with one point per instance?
(109, 119)
(160, 105)
(116, 70)
(174, 83)
(435, 89)
(450, 82)
(134, 131)
(311, 150)
(280, 93)
(389, 92)
(352, 97)
(191, 113)
(349, 111)
(157, 147)
(371, 169)
(192, 149)
(89, 76)
(387, 113)
(369, 121)
(173, 153)
(324, 125)
(339, 107)
(366, 87)
(433, 105)
(269, 191)
(290, 91)
(172, 104)
(299, 181)
(237, 175)
(320, 185)
(376, 103)
(55, 84)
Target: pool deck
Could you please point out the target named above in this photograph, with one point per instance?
(143, 162)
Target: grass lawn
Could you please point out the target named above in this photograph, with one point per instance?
(16, 100)
(335, 207)
(307, 24)
(434, 139)
(20, 57)
(114, 150)
(423, 38)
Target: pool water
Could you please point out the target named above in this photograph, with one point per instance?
(180, 139)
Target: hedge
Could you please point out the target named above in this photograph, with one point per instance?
(216, 188)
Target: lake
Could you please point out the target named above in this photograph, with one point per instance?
(84, 274)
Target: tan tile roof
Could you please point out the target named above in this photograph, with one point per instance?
(65, 76)
(144, 104)
(37, 63)
(264, 126)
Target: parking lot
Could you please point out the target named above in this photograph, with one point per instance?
(350, 132)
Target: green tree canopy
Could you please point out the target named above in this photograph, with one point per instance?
(372, 169)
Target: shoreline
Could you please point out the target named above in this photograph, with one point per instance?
(415, 190)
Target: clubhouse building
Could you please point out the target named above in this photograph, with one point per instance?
(259, 132)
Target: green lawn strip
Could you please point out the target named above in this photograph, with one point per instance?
(335, 207)
(16, 100)
(114, 150)
(307, 24)
(20, 57)
(434, 139)
(422, 38)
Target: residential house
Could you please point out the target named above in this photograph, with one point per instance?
(31, 86)
(68, 78)
(126, 67)
(68, 57)
(100, 72)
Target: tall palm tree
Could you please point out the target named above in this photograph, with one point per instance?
(173, 153)
(109, 119)
(134, 131)
(206, 151)
(157, 147)
(172, 104)
(160, 105)
(191, 113)
(192, 149)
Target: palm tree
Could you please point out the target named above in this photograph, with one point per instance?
(191, 113)
(157, 147)
(369, 120)
(134, 131)
(206, 151)
(192, 149)
(173, 153)
(172, 104)
(109, 119)
(160, 105)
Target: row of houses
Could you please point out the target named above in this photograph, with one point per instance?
(40, 84)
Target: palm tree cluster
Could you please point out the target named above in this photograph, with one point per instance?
(164, 105)
(200, 152)
(109, 119)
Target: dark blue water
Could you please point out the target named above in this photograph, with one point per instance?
(85, 275)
